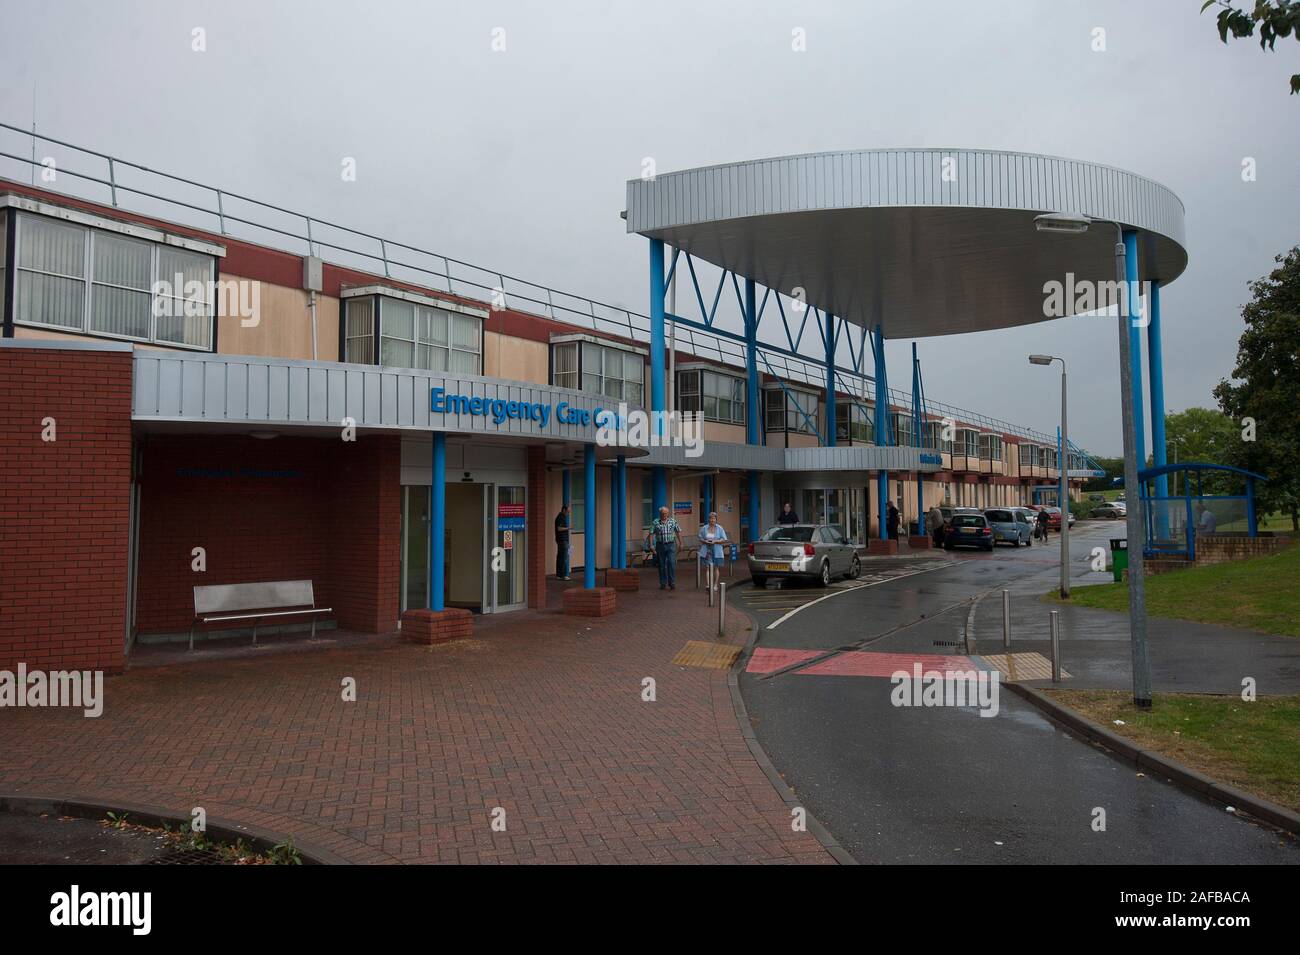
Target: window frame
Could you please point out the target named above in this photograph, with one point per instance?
(694, 400)
(587, 347)
(88, 282)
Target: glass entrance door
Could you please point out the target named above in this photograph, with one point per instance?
(415, 547)
(506, 576)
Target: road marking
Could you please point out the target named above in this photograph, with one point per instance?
(858, 586)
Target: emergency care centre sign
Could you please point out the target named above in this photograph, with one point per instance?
(532, 410)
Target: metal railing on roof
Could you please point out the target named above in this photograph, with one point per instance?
(439, 272)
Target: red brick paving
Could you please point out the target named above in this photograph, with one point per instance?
(539, 713)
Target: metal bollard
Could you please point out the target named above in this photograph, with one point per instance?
(1006, 619)
(1056, 648)
(711, 588)
(722, 607)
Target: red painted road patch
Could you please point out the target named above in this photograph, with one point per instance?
(771, 659)
(864, 663)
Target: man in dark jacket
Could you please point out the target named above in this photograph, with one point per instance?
(788, 516)
(562, 543)
(892, 521)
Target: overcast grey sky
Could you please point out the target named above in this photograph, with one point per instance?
(517, 159)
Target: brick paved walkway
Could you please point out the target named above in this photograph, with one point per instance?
(539, 714)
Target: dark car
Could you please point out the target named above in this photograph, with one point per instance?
(968, 530)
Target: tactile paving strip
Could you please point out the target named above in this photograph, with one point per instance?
(712, 656)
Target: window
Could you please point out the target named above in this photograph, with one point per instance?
(413, 335)
(934, 437)
(991, 447)
(968, 443)
(717, 397)
(853, 423)
(647, 500)
(1027, 455)
(577, 502)
(614, 373)
(359, 331)
(904, 429)
(789, 410)
(80, 279)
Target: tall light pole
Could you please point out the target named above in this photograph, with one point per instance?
(1074, 224)
(1063, 484)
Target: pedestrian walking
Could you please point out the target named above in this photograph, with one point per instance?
(665, 536)
(712, 538)
(562, 553)
(935, 519)
(892, 520)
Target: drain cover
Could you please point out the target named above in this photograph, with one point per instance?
(188, 857)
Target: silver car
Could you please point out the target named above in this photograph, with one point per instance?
(1010, 526)
(808, 551)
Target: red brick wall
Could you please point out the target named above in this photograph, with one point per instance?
(64, 507)
(331, 516)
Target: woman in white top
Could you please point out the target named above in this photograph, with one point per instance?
(712, 537)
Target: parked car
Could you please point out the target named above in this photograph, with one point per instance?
(948, 511)
(1097, 498)
(1112, 510)
(1054, 518)
(968, 530)
(804, 551)
(1010, 525)
(1029, 515)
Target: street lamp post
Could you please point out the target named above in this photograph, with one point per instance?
(1063, 483)
(1137, 610)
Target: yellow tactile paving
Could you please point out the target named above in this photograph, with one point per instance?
(1022, 666)
(701, 653)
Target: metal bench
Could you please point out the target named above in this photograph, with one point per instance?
(265, 599)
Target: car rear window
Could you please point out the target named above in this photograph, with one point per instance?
(1003, 517)
(967, 520)
(799, 535)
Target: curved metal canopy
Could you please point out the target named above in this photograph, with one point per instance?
(921, 241)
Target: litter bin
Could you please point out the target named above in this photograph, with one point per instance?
(1118, 557)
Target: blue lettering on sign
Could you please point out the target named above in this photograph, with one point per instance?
(931, 459)
(501, 410)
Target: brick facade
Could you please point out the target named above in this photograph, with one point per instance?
(437, 626)
(64, 507)
(290, 508)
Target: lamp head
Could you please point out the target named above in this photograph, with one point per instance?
(1069, 223)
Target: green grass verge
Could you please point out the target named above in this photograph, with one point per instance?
(1252, 746)
(1256, 594)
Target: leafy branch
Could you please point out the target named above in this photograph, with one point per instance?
(1275, 18)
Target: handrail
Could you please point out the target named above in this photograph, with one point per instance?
(584, 312)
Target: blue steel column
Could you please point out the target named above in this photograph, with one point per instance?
(1135, 345)
(830, 379)
(437, 521)
(622, 510)
(753, 433)
(657, 344)
(1155, 366)
(565, 487)
(916, 427)
(882, 434)
(589, 509)
(613, 516)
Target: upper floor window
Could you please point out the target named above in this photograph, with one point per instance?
(79, 279)
(853, 423)
(597, 369)
(1026, 455)
(411, 334)
(790, 410)
(934, 436)
(991, 447)
(968, 443)
(904, 429)
(717, 397)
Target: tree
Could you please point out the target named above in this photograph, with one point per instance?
(1275, 18)
(1202, 434)
(1265, 387)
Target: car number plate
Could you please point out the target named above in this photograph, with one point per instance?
(776, 567)
(968, 530)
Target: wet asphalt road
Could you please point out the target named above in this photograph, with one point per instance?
(946, 785)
